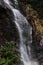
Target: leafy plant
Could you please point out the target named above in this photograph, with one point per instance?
(8, 54)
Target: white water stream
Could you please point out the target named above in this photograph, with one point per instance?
(25, 32)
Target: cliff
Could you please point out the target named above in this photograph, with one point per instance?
(8, 28)
(36, 22)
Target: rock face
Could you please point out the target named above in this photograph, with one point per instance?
(37, 27)
(7, 26)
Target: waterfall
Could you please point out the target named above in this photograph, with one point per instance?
(25, 33)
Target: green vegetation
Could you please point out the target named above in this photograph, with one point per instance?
(8, 54)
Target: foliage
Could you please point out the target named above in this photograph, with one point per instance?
(8, 54)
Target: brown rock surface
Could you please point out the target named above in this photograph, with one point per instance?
(37, 27)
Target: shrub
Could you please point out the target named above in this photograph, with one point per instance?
(8, 54)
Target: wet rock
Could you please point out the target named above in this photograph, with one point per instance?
(8, 30)
(37, 28)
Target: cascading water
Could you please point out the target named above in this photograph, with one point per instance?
(25, 34)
